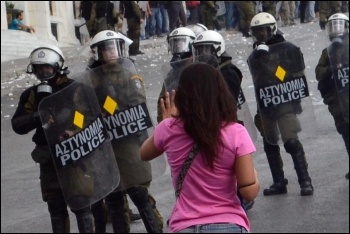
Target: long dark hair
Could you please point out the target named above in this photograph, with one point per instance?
(205, 104)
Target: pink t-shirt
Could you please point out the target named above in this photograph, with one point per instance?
(206, 196)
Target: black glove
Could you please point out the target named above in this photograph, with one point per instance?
(323, 25)
(36, 119)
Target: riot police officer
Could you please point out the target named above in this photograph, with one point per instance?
(212, 43)
(180, 46)
(333, 68)
(277, 119)
(197, 28)
(115, 78)
(48, 65)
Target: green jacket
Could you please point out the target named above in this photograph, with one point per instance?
(328, 8)
(323, 71)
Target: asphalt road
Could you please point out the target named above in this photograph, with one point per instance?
(327, 211)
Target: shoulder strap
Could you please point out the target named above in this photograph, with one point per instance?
(184, 169)
(224, 64)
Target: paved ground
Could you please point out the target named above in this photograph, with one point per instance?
(327, 211)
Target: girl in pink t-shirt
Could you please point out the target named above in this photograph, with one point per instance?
(203, 112)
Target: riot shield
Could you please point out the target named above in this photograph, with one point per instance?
(244, 115)
(338, 53)
(281, 90)
(79, 144)
(121, 95)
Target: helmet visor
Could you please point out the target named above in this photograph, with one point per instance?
(337, 27)
(179, 44)
(261, 34)
(203, 49)
(110, 50)
(44, 71)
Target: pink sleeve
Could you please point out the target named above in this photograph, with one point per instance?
(158, 136)
(244, 144)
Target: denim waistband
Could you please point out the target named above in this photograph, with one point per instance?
(215, 228)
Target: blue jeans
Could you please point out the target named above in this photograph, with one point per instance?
(156, 22)
(229, 15)
(310, 11)
(215, 228)
(232, 16)
(165, 26)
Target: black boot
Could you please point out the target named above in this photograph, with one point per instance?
(139, 195)
(133, 216)
(59, 215)
(84, 220)
(60, 224)
(295, 149)
(98, 211)
(119, 216)
(274, 159)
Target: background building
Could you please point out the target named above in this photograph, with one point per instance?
(55, 22)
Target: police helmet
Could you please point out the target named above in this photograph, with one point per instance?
(262, 27)
(197, 28)
(180, 40)
(208, 42)
(46, 62)
(337, 26)
(110, 41)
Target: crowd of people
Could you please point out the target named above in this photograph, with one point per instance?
(202, 88)
(152, 19)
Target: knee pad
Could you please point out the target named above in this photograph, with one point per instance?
(293, 145)
(271, 149)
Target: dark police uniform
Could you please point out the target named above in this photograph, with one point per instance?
(283, 115)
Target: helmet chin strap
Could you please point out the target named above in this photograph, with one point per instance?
(64, 71)
(217, 50)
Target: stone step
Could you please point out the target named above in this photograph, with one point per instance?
(18, 44)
